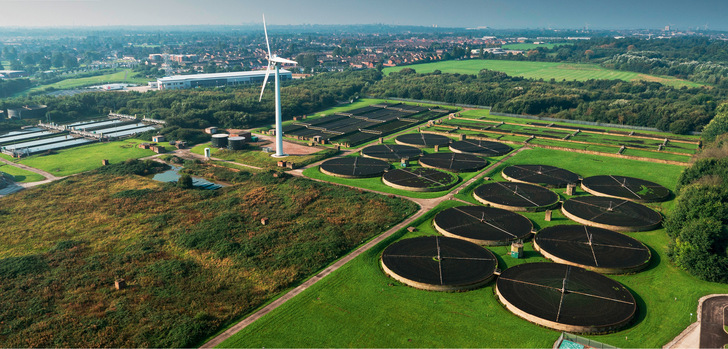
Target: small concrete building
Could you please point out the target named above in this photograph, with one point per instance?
(158, 139)
(211, 130)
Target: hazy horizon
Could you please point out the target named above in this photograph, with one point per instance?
(496, 14)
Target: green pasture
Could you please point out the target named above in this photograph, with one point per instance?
(74, 160)
(528, 46)
(20, 175)
(359, 306)
(540, 70)
(127, 76)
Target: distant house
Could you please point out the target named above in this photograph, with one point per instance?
(158, 139)
(158, 149)
(145, 145)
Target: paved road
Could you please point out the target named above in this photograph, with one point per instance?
(712, 334)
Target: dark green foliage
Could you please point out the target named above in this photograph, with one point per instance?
(185, 181)
(702, 168)
(10, 87)
(717, 126)
(698, 226)
(12, 267)
(134, 166)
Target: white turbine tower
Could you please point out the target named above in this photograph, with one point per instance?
(275, 61)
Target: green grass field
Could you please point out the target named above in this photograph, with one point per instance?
(20, 175)
(256, 157)
(85, 158)
(359, 306)
(541, 70)
(526, 46)
(127, 76)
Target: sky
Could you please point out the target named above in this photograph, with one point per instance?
(499, 14)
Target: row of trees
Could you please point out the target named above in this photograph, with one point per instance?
(698, 226)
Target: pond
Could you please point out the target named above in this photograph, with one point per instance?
(173, 176)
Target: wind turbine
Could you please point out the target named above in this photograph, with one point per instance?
(275, 61)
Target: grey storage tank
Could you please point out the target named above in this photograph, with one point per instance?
(236, 143)
(220, 140)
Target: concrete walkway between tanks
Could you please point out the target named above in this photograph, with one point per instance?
(425, 206)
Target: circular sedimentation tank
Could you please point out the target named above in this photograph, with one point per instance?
(439, 263)
(611, 213)
(548, 176)
(219, 140)
(480, 147)
(354, 167)
(236, 143)
(419, 179)
(422, 140)
(391, 152)
(483, 225)
(516, 196)
(601, 250)
(629, 188)
(565, 297)
(453, 162)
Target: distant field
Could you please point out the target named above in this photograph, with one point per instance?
(88, 157)
(541, 70)
(533, 46)
(127, 76)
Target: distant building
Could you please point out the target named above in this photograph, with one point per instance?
(12, 74)
(178, 82)
(158, 139)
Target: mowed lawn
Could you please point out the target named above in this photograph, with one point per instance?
(126, 76)
(540, 70)
(359, 306)
(85, 158)
(20, 175)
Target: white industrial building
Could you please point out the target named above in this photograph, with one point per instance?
(178, 82)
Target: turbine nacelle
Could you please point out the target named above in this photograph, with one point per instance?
(272, 60)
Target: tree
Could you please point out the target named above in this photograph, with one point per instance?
(185, 181)
(717, 126)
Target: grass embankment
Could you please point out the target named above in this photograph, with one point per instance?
(254, 156)
(194, 261)
(359, 306)
(74, 160)
(541, 70)
(124, 76)
(20, 175)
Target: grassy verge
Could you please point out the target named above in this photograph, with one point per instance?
(359, 306)
(20, 175)
(541, 70)
(70, 161)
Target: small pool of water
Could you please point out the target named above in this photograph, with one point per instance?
(173, 176)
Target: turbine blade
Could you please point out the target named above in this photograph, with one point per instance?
(266, 37)
(265, 82)
(282, 60)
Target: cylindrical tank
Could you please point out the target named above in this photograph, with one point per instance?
(219, 140)
(236, 143)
